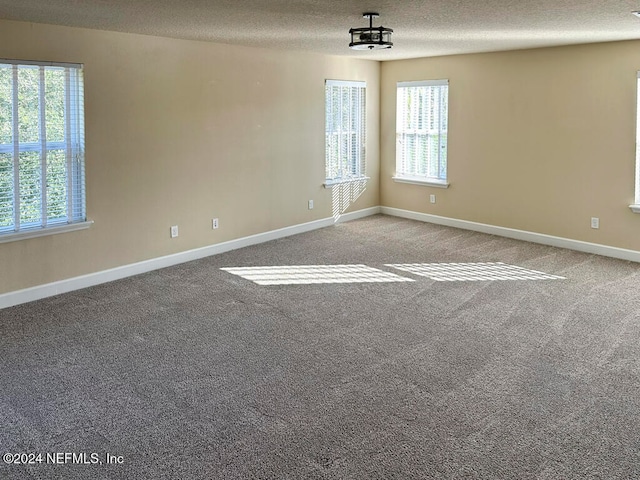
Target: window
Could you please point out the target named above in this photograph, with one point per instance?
(635, 207)
(345, 132)
(41, 149)
(421, 132)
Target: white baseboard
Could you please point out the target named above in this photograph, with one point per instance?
(365, 212)
(63, 286)
(605, 250)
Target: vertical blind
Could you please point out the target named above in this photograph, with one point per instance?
(421, 129)
(41, 145)
(345, 129)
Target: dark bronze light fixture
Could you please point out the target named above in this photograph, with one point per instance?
(370, 38)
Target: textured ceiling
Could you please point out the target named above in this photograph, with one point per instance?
(421, 28)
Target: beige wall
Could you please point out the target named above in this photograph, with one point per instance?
(179, 132)
(539, 140)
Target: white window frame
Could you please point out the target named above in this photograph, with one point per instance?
(72, 145)
(635, 206)
(349, 164)
(406, 173)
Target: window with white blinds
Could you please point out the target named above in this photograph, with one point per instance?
(345, 130)
(635, 207)
(421, 131)
(41, 147)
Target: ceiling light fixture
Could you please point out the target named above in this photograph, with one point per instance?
(370, 38)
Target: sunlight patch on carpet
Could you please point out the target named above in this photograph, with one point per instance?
(309, 274)
(469, 272)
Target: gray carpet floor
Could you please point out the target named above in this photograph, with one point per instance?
(192, 372)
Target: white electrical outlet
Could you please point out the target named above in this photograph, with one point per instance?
(595, 222)
(310, 204)
(174, 231)
(214, 223)
(432, 198)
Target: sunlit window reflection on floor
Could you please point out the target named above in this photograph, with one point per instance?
(308, 274)
(466, 272)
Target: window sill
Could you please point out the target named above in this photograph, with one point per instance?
(419, 181)
(635, 208)
(331, 183)
(41, 232)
